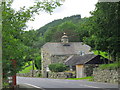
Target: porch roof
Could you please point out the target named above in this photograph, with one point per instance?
(86, 59)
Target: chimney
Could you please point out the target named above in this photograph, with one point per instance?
(64, 39)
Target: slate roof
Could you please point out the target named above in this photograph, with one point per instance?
(86, 59)
(57, 48)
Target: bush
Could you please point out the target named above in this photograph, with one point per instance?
(57, 67)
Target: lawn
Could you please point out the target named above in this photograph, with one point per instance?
(110, 66)
(27, 69)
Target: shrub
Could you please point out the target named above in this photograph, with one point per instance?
(57, 67)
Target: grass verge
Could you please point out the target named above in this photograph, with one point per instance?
(90, 78)
(110, 66)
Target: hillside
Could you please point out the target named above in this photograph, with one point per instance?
(74, 19)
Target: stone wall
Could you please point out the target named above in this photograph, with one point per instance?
(58, 58)
(36, 73)
(46, 60)
(107, 76)
(60, 75)
(88, 69)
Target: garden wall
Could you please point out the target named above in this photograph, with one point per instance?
(60, 75)
(35, 73)
(106, 75)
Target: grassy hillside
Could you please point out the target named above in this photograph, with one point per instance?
(27, 68)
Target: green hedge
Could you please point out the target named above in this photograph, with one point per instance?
(57, 67)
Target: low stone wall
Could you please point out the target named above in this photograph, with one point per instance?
(107, 76)
(60, 75)
(35, 74)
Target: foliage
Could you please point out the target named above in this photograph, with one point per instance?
(54, 34)
(103, 30)
(75, 19)
(27, 69)
(38, 62)
(103, 54)
(74, 26)
(17, 43)
(57, 67)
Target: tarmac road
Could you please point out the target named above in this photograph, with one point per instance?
(63, 84)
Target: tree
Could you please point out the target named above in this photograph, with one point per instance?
(104, 34)
(1, 46)
(70, 29)
(83, 29)
(54, 34)
(13, 25)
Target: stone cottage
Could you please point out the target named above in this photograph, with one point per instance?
(54, 52)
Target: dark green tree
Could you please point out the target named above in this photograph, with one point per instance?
(104, 35)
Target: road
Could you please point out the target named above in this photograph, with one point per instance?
(63, 84)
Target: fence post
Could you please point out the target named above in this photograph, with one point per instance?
(14, 76)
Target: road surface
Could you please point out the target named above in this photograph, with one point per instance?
(63, 84)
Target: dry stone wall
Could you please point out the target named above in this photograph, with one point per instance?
(107, 75)
(34, 73)
(60, 75)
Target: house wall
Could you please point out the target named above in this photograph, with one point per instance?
(46, 60)
(58, 58)
(88, 69)
(80, 71)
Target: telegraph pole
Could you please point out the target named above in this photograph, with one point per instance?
(1, 73)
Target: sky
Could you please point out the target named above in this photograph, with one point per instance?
(69, 8)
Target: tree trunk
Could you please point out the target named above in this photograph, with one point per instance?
(1, 73)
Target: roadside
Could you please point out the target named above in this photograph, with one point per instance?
(27, 87)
